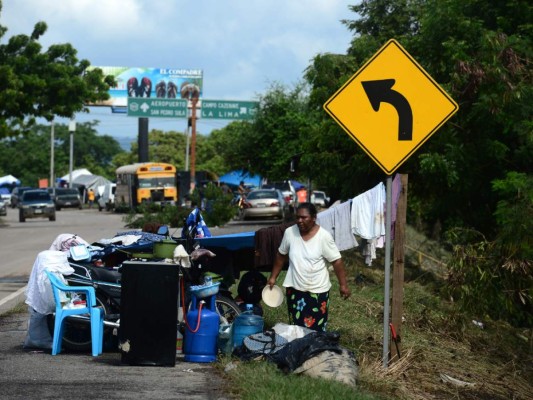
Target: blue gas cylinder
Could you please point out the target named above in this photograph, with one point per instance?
(246, 324)
(200, 342)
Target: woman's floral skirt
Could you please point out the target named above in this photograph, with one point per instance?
(308, 309)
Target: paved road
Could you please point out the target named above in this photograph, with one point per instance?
(36, 374)
(21, 242)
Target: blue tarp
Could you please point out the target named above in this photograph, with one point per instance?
(297, 185)
(235, 177)
(235, 241)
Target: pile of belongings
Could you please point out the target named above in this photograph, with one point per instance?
(111, 252)
(299, 350)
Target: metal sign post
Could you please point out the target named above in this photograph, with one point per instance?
(417, 108)
(386, 305)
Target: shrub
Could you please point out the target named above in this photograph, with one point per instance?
(173, 216)
(216, 206)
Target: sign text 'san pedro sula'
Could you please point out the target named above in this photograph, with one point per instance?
(154, 107)
(391, 106)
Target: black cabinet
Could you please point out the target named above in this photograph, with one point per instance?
(148, 317)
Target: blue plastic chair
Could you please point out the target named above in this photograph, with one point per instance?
(96, 313)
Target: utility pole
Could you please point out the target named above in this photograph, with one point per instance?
(193, 143)
(191, 92)
(71, 129)
(52, 142)
(189, 124)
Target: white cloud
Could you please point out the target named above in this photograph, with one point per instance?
(242, 45)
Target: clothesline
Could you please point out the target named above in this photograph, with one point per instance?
(362, 216)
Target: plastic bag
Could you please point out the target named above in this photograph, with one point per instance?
(298, 351)
(38, 335)
(181, 257)
(267, 342)
(75, 301)
(291, 332)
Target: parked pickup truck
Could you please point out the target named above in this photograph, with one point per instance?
(64, 197)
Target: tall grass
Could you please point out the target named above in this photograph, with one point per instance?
(436, 340)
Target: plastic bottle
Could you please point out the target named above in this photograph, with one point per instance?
(246, 324)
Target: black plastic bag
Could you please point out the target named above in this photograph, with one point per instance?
(295, 353)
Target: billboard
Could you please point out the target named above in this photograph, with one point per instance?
(149, 82)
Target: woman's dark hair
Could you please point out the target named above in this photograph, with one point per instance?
(310, 207)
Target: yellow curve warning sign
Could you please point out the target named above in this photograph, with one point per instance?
(391, 106)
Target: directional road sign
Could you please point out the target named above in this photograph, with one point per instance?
(157, 107)
(223, 109)
(391, 106)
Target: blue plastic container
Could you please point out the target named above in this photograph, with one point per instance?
(201, 346)
(246, 324)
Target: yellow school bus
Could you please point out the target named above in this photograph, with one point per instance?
(146, 182)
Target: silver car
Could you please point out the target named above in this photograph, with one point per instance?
(36, 204)
(265, 203)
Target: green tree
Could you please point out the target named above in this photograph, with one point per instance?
(278, 132)
(36, 83)
(480, 52)
(476, 172)
(281, 127)
(170, 147)
(232, 145)
(91, 151)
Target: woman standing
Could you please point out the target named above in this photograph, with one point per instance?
(308, 247)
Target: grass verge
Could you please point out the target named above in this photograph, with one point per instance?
(444, 354)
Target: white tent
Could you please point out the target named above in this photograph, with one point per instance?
(75, 174)
(9, 180)
(90, 181)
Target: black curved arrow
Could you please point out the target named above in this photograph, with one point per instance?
(381, 92)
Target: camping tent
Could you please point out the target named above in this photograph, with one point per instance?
(75, 174)
(234, 178)
(83, 180)
(9, 180)
(90, 181)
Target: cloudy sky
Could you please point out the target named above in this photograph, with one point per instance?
(242, 46)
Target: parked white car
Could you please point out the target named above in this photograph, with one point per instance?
(319, 199)
(106, 196)
(3, 207)
(5, 197)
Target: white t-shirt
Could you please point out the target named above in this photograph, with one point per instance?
(308, 271)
